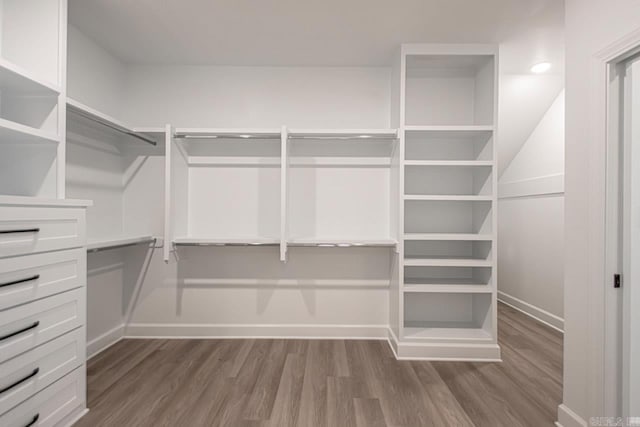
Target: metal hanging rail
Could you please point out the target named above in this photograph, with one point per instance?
(79, 112)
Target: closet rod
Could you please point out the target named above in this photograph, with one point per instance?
(225, 136)
(346, 137)
(112, 126)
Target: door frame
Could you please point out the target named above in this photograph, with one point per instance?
(606, 391)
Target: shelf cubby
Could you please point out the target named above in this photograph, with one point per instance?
(470, 144)
(438, 278)
(448, 180)
(448, 216)
(448, 316)
(449, 90)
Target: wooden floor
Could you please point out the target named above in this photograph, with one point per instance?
(324, 383)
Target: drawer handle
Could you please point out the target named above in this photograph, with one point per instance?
(20, 381)
(20, 230)
(28, 328)
(34, 420)
(15, 282)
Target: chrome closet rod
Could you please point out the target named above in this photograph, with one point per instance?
(112, 126)
(225, 136)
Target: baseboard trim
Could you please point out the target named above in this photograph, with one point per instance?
(353, 332)
(104, 341)
(532, 311)
(568, 418)
(443, 352)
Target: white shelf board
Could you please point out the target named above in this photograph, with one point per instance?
(11, 132)
(329, 242)
(447, 288)
(464, 129)
(234, 161)
(36, 201)
(15, 79)
(449, 236)
(294, 161)
(100, 244)
(363, 134)
(79, 106)
(474, 163)
(421, 197)
(241, 241)
(424, 261)
(447, 333)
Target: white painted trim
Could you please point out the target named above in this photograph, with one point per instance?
(159, 330)
(568, 418)
(539, 186)
(75, 417)
(104, 341)
(532, 311)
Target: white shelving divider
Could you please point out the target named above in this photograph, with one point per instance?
(445, 308)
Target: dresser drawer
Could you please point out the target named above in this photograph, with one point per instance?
(31, 277)
(25, 375)
(25, 230)
(55, 406)
(27, 326)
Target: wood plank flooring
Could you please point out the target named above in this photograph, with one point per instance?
(324, 383)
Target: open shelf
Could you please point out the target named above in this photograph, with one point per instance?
(227, 133)
(444, 331)
(446, 288)
(459, 131)
(448, 180)
(447, 236)
(12, 132)
(444, 198)
(472, 145)
(18, 81)
(343, 243)
(418, 261)
(487, 163)
(94, 245)
(204, 241)
(448, 316)
(451, 90)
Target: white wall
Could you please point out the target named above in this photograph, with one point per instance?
(531, 225)
(591, 25)
(206, 96)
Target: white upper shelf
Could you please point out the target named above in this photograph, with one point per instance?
(14, 79)
(12, 132)
(87, 112)
(468, 130)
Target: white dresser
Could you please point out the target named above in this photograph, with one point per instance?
(43, 271)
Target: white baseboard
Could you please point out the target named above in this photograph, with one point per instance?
(104, 341)
(153, 330)
(568, 418)
(532, 311)
(443, 352)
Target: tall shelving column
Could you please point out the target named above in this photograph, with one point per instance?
(447, 303)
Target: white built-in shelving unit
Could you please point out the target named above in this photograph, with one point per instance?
(32, 89)
(445, 306)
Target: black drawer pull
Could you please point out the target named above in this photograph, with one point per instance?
(20, 230)
(15, 282)
(20, 381)
(34, 420)
(28, 328)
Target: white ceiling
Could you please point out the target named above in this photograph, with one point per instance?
(313, 33)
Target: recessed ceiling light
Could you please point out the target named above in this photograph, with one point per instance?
(245, 136)
(364, 136)
(540, 68)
